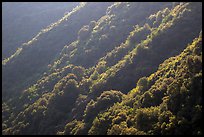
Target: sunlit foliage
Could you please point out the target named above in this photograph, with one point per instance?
(109, 73)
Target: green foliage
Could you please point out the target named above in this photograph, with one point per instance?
(86, 84)
(34, 56)
(167, 107)
(142, 84)
(83, 33)
(105, 100)
(75, 128)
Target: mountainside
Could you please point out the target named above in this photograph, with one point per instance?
(169, 101)
(104, 68)
(57, 33)
(35, 16)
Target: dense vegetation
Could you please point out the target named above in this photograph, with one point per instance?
(103, 70)
(169, 101)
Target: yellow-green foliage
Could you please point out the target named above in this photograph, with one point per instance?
(172, 84)
(125, 74)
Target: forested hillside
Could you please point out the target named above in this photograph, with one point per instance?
(107, 68)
